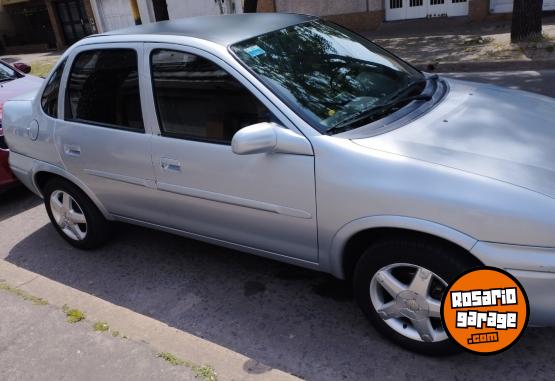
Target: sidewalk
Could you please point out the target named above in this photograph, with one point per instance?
(459, 45)
(37, 343)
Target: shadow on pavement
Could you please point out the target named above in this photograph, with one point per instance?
(288, 318)
(17, 200)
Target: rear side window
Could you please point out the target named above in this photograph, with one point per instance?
(49, 99)
(103, 89)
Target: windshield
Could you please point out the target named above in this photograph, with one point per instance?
(7, 73)
(326, 73)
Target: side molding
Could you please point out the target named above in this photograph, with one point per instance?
(40, 166)
(340, 239)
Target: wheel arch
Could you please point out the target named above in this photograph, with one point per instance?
(42, 175)
(350, 241)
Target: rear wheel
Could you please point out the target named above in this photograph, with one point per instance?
(74, 215)
(399, 285)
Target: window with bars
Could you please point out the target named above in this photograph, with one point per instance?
(394, 4)
(458, 1)
(437, 2)
(416, 3)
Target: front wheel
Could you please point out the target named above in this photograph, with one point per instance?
(399, 285)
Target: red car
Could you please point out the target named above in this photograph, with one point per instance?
(14, 81)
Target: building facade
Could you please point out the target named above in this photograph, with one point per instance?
(116, 14)
(44, 24)
(369, 14)
(358, 14)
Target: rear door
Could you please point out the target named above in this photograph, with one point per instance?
(102, 138)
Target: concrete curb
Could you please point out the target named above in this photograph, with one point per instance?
(447, 67)
(229, 365)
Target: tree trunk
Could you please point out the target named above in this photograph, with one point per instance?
(250, 6)
(527, 20)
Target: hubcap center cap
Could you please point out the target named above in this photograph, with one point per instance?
(412, 305)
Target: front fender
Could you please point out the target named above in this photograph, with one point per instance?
(335, 255)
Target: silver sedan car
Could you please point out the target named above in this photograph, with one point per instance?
(292, 138)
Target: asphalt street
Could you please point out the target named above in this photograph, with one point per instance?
(292, 319)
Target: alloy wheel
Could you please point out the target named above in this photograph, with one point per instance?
(408, 299)
(69, 215)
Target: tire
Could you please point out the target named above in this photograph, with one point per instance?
(409, 319)
(91, 234)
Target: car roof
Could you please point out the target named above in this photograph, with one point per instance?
(222, 29)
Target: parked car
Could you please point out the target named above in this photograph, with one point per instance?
(292, 138)
(13, 82)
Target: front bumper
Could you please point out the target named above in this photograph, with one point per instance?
(534, 267)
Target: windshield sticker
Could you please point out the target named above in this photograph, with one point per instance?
(255, 51)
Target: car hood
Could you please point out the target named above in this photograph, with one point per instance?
(499, 133)
(27, 85)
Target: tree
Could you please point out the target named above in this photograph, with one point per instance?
(527, 20)
(250, 6)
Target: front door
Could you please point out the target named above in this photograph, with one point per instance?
(102, 139)
(75, 23)
(263, 201)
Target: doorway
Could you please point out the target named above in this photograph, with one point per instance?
(73, 19)
(160, 8)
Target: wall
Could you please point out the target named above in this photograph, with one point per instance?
(6, 26)
(328, 7)
(189, 8)
(321, 7)
(354, 14)
(478, 10)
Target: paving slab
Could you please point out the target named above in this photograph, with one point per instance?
(37, 343)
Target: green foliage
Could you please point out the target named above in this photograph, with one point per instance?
(101, 326)
(73, 315)
(22, 294)
(205, 372)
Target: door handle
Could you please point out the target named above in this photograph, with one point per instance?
(170, 164)
(72, 150)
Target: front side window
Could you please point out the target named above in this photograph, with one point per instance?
(327, 74)
(49, 99)
(103, 89)
(198, 100)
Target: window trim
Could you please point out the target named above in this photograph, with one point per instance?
(62, 64)
(180, 136)
(93, 48)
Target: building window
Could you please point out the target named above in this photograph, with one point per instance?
(393, 4)
(103, 89)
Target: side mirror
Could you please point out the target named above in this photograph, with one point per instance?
(269, 138)
(24, 68)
